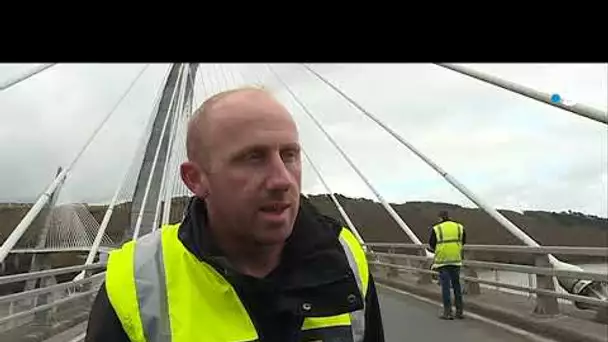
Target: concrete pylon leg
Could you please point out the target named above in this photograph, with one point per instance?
(392, 272)
(470, 288)
(423, 277)
(545, 305)
(45, 317)
(371, 258)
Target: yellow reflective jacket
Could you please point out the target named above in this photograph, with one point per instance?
(448, 250)
(162, 292)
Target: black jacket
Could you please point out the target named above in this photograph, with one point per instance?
(313, 269)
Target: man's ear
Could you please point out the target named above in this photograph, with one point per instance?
(194, 178)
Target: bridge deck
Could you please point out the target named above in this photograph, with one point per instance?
(409, 319)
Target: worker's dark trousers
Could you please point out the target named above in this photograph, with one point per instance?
(450, 275)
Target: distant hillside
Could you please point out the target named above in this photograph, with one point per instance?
(548, 228)
(375, 225)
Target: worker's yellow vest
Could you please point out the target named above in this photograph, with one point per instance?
(161, 292)
(449, 244)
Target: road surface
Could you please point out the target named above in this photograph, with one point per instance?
(409, 319)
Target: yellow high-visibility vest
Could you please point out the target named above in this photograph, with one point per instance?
(449, 244)
(162, 292)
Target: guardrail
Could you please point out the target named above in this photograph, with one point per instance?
(72, 285)
(48, 307)
(542, 250)
(49, 273)
(587, 290)
(603, 277)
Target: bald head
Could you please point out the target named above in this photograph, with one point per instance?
(224, 113)
(244, 161)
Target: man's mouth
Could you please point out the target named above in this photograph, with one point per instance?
(274, 208)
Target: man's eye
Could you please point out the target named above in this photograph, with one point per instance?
(255, 156)
(290, 155)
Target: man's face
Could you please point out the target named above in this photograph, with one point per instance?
(253, 168)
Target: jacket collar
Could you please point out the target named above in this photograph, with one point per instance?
(313, 270)
(312, 233)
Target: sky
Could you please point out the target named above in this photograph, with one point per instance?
(510, 151)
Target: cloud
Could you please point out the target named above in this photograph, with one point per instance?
(509, 150)
(484, 136)
(47, 119)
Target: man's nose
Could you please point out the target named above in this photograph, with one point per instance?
(279, 177)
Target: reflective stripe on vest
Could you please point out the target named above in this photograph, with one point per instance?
(358, 264)
(449, 244)
(141, 278)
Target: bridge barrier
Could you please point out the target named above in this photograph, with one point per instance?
(39, 313)
(542, 271)
(390, 262)
(49, 273)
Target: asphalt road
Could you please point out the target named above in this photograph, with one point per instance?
(409, 319)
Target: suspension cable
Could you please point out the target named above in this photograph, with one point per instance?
(334, 199)
(551, 99)
(25, 223)
(341, 210)
(108, 214)
(406, 229)
(510, 226)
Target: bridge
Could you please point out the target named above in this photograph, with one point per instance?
(53, 259)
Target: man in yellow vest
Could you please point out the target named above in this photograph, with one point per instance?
(252, 260)
(446, 241)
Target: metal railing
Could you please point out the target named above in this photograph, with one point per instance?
(513, 268)
(49, 273)
(72, 285)
(543, 250)
(52, 307)
(587, 290)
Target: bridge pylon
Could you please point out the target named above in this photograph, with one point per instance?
(157, 150)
